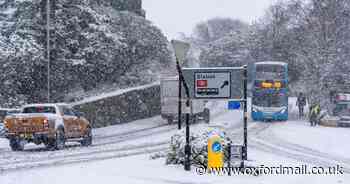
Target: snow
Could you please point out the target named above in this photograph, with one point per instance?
(271, 63)
(3, 144)
(111, 94)
(141, 170)
(324, 139)
(123, 168)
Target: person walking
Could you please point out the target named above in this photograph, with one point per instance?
(301, 102)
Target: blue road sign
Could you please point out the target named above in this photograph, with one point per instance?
(234, 105)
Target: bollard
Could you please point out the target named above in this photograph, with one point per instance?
(215, 152)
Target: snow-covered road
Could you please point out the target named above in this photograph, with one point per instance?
(135, 138)
(121, 153)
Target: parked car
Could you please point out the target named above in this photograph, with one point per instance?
(342, 110)
(50, 124)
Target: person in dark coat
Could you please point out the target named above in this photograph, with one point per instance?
(301, 102)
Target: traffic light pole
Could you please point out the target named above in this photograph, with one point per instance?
(245, 116)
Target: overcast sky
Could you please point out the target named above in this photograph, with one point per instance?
(174, 16)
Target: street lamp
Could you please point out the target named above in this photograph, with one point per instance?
(181, 49)
(48, 12)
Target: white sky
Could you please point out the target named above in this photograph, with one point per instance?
(174, 16)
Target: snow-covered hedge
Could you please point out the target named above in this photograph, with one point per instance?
(198, 140)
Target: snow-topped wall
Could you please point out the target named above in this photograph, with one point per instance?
(121, 107)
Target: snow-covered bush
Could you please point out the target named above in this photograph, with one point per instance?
(199, 142)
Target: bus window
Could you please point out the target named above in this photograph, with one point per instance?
(270, 72)
(269, 100)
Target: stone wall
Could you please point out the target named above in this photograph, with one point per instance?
(123, 108)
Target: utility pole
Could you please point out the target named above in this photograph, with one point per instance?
(48, 14)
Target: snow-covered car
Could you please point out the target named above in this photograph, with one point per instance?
(51, 124)
(330, 121)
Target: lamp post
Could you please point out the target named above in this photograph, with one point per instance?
(181, 49)
(48, 12)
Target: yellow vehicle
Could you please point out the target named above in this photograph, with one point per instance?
(50, 124)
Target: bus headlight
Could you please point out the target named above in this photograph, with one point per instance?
(254, 109)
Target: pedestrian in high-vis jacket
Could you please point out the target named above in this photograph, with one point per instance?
(314, 112)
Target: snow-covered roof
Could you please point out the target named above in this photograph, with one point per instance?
(271, 63)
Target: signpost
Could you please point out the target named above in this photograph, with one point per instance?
(214, 83)
(210, 83)
(221, 83)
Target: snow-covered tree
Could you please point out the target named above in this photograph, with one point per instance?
(93, 43)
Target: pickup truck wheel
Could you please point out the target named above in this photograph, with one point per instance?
(87, 140)
(16, 144)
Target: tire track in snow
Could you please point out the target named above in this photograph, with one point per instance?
(299, 156)
(296, 147)
(87, 157)
(279, 147)
(94, 149)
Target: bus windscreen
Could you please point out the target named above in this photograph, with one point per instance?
(270, 72)
(269, 100)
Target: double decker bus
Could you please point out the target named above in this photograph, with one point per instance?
(269, 91)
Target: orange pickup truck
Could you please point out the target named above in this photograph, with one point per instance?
(51, 124)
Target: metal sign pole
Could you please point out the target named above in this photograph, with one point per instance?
(245, 116)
